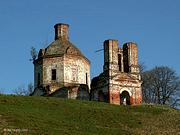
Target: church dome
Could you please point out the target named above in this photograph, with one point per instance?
(61, 47)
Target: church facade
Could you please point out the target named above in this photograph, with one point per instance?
(120, 82)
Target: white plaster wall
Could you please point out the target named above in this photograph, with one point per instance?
(37, 69)
(75, 69)
(48, 65)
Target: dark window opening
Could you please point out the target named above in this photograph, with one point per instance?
(119, 61)
(125, 59)
(38, 79)
(53, 77)
(86, 79)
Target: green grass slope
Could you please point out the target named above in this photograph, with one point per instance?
(56, 116)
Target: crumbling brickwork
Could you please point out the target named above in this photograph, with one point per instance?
(120, 82)
(61, 69)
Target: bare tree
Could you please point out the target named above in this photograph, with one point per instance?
(23, 91)
(160, 85)
(20, 91)
(175, 103)
(148, 93)
(142, 67)
(33, 53)
(30, 89)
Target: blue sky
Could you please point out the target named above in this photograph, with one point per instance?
(153, 24)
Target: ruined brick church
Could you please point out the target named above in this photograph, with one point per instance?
(61, 70)
(120, 82)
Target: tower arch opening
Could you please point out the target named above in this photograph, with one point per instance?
(125, 98)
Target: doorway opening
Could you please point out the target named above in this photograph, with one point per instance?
(124, 98)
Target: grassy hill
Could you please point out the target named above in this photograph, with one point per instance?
(55, 116)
